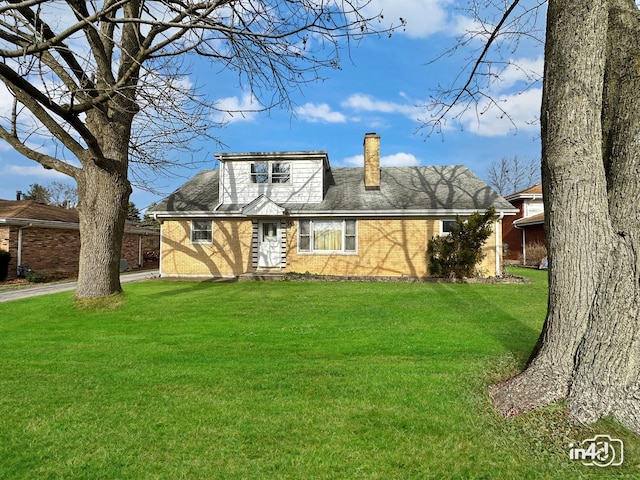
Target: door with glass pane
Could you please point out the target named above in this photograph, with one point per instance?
(269, 253)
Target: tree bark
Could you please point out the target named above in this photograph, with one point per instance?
(103, 194)
(589, 350)
(607, 376)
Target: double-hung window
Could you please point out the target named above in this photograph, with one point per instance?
(270, 172)
(201, 231)
(327, 236)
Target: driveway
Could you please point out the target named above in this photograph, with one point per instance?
(37, 290)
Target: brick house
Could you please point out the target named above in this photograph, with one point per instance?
(293, 212)
(47, 239)
(527, 226)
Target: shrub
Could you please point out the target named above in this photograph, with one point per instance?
(456, 255)
(536, 251)
(4, 264)
(35, 277)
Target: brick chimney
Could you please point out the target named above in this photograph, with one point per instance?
(372, 161)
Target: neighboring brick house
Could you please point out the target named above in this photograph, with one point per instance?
(47, 239)
(526, 228)
(292, 212)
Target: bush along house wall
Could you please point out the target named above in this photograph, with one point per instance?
(5, 257)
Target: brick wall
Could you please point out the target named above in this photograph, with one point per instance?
(511, 235)
(51, 251)
(55, 252)
(134, 246)
(229, 253)
(386, 247)
(4, 238)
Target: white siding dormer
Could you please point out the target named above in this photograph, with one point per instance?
(290, 177)
(533, 207)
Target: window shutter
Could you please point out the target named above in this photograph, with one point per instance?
(254, 244)
(283, 241)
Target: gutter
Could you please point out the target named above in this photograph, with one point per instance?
(26, 222)
(220, 183)
(333, 213)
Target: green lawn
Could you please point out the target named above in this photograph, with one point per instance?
(268, 380)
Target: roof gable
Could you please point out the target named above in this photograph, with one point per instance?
(263, 207)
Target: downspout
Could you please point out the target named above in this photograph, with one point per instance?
(160, 256)
(220, 186)
(524, 246)
(140, 260)
(498, 253)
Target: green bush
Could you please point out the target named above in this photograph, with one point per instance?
(35, 277)
(4, 263)
(456, 255)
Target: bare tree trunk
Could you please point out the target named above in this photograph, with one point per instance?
(589, 350)
(574, 187)
(103, 193)
(607, 374)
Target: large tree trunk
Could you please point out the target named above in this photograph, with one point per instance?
(607, 374)
(103, 194)
(588, 350)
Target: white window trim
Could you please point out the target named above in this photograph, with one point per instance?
(441, 231)
(313, 251)
(201, 242)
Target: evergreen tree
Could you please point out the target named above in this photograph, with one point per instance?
(458, 254)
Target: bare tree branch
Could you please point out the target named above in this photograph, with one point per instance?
(470, 89)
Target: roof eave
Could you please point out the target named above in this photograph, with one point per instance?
(29, 222)
(523, 196)
(439, 212)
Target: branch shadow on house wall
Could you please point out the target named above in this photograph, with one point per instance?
(210, 256)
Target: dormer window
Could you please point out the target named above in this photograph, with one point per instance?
(270, 172)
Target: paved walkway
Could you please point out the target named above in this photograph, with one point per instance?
(34, 291)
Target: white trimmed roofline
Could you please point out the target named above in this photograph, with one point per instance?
(523, 196)
(301, 155)
(334, 213)
(27, 222)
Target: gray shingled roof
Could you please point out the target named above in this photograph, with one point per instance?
(401, 188)
(200, 194)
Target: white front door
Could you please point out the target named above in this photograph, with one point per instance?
(269, 254)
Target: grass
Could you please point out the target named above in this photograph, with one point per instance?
(281, 380)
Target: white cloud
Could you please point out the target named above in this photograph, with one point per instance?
(521, 70)
(423, 17)
(396, 160)
(33, 171)
(357, 103)
(319, 112)
(461, 25)
(235, 109)
(399, 160)
(522, 113)
(366, 103)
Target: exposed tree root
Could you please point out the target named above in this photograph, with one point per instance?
(534, 388)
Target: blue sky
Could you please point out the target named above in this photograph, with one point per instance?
(382, 87)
